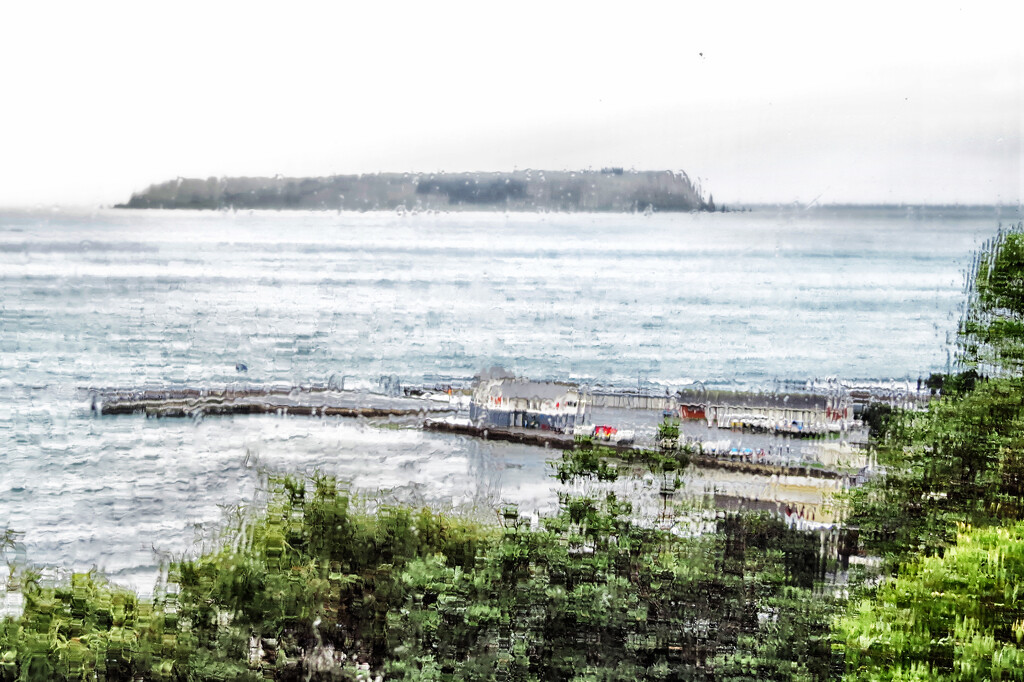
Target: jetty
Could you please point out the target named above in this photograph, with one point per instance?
(313, 401)
(515, 434)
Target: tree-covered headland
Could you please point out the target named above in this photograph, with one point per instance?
(610, 189)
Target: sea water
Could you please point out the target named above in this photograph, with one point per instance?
(109, 298)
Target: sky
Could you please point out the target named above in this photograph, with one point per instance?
(760, 102)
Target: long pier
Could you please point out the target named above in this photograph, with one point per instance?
(313, 402)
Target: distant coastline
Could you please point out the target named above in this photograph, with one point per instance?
(610, 190)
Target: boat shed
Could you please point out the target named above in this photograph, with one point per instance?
(777, 411)
(507, 402)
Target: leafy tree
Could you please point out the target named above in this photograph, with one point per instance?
(876, 416)
(955, 617)
(953, 384)
(85, 629)
(668, 434)
(962, 461)
(992, 330)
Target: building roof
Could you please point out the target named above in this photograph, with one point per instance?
(533, 390)
(782, 401)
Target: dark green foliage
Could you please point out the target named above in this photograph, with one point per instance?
(992, 331)
(876, 416)
(962, 461)
(935, 382)
(592, 460)
(963, 382)
(955, 617)
(668, 434)
(318, 583)
(953, 384)
(592, 594)
(586, 462)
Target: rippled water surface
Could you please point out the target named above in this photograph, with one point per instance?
(123, 298)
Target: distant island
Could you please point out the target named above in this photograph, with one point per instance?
(610, 189)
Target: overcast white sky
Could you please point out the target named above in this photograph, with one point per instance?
(762, 102)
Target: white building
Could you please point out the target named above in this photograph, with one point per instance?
(505, 402)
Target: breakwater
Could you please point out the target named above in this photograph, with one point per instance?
(313, 402)
(525, 436)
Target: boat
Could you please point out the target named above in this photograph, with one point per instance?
(608, 434)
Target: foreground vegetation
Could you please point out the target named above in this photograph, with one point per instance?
(317, 587)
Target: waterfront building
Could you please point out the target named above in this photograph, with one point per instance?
(775, 411)
(507, 402)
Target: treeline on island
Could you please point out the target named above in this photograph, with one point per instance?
(611, 189)
(320, 584)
